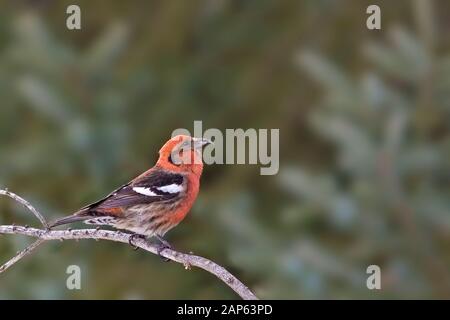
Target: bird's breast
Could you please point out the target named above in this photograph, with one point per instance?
(160, 217)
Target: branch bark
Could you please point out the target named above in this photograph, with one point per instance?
(20, 255)
(26, 204)
(187, 260)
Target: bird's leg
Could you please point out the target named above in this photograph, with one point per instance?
(163, 245)
(132, 237)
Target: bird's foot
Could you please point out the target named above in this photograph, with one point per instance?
(162, 246)
(132, 238)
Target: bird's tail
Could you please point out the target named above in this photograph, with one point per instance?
(76, 217)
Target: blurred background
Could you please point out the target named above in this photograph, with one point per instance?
(364, 120)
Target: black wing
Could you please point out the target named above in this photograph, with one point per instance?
(156, 186)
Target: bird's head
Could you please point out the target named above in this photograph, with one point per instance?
(183, 154)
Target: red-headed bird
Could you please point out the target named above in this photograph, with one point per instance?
(155, 201)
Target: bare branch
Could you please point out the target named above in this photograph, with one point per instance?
(187, 260)
(26, 204)
(20, 255)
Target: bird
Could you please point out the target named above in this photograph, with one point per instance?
(155, 201)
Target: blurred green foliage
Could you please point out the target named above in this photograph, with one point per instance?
(364, 120)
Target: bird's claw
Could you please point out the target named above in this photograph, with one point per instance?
(162, 246)
(131, 239)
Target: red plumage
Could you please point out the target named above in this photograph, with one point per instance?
(155, 201)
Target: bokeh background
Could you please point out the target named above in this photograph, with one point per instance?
(364, 120)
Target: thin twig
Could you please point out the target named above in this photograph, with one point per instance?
(20, 255)
(187, 260)
(26, 204)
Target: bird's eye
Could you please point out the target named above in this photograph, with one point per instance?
(170, 159)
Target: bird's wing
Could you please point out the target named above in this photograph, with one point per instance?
(154, 186)
(157, 185)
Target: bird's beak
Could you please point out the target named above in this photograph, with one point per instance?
(200, 142)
